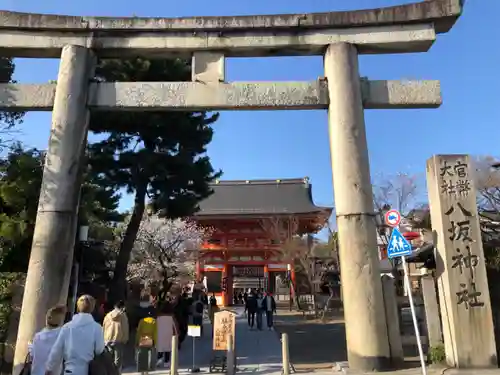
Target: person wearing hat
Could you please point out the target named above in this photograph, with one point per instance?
(45, 339)
(79, 341)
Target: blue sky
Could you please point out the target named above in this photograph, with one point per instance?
(289, 144)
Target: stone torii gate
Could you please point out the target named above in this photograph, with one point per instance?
(338, 36)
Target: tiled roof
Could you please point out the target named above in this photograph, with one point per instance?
(260, 197)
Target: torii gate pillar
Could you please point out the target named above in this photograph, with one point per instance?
(51, 259)
(366, 330)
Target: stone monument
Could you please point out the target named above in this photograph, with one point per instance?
(464, 296)
(224, 325)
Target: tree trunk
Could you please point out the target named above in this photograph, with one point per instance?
(118, 288)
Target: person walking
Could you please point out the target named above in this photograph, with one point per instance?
(260, 310)
(166, 327)
(116, 333)
(181, 314)
(270, 309)
(212, 298)
(78, 342)
(44, 340)
(146, 339)
(251, 309)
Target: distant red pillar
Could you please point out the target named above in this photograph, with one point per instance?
(225, 300)
(230, 291)
(199, 272)
(266, 278)
(291, 268)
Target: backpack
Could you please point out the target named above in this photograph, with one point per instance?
(103, 364)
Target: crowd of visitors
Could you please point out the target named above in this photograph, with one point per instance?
(72, 348)
(258, 304)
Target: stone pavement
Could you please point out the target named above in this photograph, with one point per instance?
(258, 352)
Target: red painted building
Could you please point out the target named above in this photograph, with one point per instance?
(250, 221)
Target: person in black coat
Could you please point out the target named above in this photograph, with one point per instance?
(181, 313)
(251, 309)
(269, 306)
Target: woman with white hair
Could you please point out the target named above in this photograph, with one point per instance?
(45, 339)
(79, 341)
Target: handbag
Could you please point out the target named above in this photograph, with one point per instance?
(103, 363)
(146, 342)
(27, 366)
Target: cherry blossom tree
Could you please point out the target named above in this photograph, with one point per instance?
(165, 250)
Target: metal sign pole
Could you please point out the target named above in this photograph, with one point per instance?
(398, 246)
(194, 353)
(194, 368)
(413, 315)
(194, 331)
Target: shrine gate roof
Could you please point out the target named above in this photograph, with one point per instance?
(443, 13)
(260, 197)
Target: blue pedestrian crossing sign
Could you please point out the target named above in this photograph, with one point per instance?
(398, 245)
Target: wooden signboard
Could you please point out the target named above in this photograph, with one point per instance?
(224, 324)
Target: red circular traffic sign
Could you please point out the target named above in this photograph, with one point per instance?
(392, 218)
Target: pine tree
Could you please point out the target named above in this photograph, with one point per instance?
(7, 119)
(159, 156)
(21, 172)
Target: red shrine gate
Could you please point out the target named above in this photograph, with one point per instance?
(250, 220)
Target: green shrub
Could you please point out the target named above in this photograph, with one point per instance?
(437, 354)
(7, 279)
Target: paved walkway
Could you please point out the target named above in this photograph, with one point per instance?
(258, 352)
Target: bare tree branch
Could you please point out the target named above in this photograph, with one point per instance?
(301, 251)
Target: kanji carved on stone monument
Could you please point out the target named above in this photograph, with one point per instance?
(461, 271)
(224, 324)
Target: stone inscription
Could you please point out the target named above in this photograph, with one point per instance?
(456, 185)
(464, 298)
(454, 178)
(224, 324)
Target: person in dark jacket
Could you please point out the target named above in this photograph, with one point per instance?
(213, 300)
(260, 310)
(269, 307)
(181, 314)
(251, 309)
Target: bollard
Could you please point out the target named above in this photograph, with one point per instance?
(285, 354)
(230, 356)
(174, 355)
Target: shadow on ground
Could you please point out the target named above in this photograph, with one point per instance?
(314, 344)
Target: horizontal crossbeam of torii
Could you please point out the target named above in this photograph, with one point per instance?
(195, 96)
